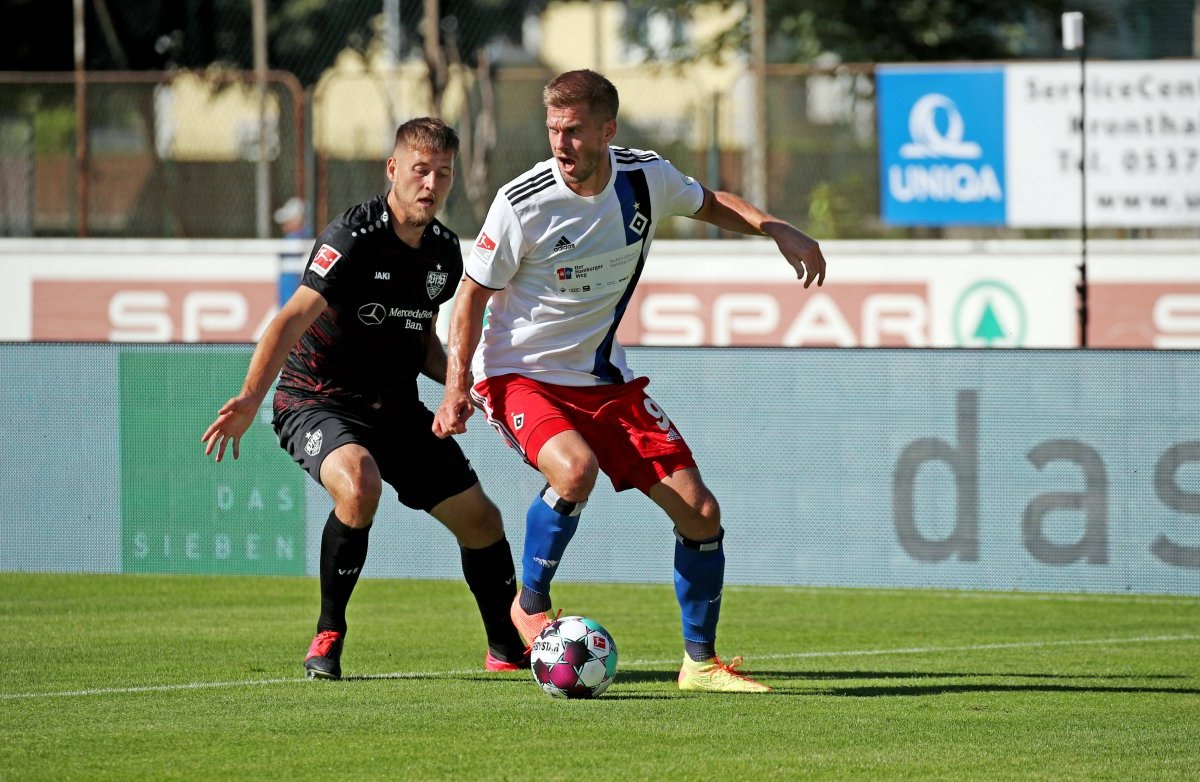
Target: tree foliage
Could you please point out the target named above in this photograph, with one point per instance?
(304, 37)
(871, 30)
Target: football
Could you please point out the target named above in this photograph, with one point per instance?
(573, 657)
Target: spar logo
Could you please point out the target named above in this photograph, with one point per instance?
(989, 314)
(942, 146)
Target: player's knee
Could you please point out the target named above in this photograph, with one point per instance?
(576, 478)
(368, 488)
(703, 519)
(357, 498)
(487, 520)
(477, 525)
(709, 514)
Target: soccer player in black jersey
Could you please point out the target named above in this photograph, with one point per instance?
(350, 343)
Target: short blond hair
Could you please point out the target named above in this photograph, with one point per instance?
(586, 87)
(428, 134)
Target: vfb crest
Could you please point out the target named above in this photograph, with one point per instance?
(312, 446)
(434, 282)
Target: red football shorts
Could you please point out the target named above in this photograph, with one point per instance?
(633, 439)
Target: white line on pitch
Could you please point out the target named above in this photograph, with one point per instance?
(939, 649)
(216, 685)
(956, 594)
(633, 663)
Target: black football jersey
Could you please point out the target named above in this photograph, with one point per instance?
(369, 344)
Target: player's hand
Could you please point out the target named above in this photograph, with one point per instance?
(233, 419)
(801, 251)
(451, 417)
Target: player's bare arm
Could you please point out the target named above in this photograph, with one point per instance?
(236, 415)
(731, 212)
(466, 322)
(434, 367)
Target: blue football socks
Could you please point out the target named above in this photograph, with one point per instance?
(699, 579)
(550, 524)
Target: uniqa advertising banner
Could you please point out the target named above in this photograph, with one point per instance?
(1002, 145)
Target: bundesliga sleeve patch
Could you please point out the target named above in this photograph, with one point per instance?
(486, 245)
(324, 260)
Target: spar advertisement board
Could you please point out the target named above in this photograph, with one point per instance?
(1001, 145)
(946, 294)
(1010, 294)
(118, 290)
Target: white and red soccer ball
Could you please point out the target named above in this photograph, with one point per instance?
(574, 657)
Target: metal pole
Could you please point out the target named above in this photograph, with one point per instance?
(756, 179)
(81, 127)
(1083, 201)
(1073, 39)
(262, 179)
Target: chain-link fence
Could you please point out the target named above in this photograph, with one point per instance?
(178, 154)
(146, 154)
(355, 116)
(821, 135)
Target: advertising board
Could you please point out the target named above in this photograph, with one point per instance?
(1003, 145)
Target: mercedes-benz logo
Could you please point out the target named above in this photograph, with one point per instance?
(372, 314)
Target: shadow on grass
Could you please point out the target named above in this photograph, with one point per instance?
(816, 675)
(786, 682)
(949, 689)
(1034, 682)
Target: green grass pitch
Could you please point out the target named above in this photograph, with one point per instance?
(147, 677)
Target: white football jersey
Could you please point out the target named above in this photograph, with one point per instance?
(564, 267)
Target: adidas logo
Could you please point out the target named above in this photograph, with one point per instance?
(563, 243)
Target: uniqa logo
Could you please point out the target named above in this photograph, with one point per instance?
(961, 182)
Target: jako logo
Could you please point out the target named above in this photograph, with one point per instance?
(959, 182)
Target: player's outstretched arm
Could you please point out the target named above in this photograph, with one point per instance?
(236, 415)
(465, 324)
(731, 212)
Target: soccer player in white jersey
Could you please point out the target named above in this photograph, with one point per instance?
(554, 267)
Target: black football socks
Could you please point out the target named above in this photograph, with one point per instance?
(493, 581)
(343, 552)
